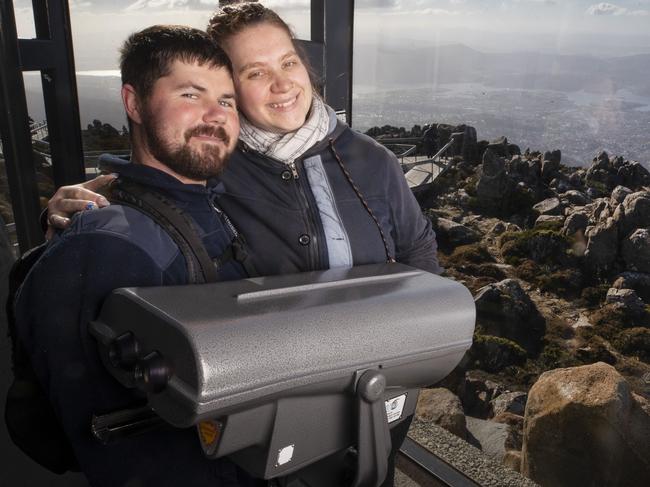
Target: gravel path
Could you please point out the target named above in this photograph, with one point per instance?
(466, 458)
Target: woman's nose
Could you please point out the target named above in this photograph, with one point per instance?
(281, 83)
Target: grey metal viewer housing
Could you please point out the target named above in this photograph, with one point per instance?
(285, 371)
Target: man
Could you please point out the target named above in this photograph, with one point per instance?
(179, 98)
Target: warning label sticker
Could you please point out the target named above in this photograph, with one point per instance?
(394, 407)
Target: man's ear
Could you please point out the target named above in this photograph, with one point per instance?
(131, 103)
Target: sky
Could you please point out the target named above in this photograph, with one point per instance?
(572, 26)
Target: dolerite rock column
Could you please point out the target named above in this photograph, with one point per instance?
(584, 426)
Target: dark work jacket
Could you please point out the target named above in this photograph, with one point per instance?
(278, 215)
(105, 249)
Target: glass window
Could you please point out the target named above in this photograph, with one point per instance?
(525, 78)
(24, 13)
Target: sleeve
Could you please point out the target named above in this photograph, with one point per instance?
(61, 295)
(415, 240)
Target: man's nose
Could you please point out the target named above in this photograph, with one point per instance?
(215, 113)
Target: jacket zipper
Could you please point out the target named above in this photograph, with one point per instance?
(294, 169)
(313, 250)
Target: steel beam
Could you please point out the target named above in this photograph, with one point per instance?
(16, 139)
(59, 90)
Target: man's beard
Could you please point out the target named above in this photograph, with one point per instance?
(182, 158)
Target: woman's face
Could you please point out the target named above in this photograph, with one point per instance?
(273, 87)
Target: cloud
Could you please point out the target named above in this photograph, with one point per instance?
(605, 9)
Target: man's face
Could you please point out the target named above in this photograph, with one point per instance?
(190, 120)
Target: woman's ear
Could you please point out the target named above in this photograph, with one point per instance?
(131, 103)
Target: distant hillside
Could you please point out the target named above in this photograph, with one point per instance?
(457, 63)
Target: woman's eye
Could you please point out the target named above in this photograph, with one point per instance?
(290, 64)
(226, 103)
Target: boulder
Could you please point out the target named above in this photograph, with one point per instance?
(627, 299)
(505, 310)
(584, 426)
(636, 250)
(633, 175)
(494, 187)
(476, 393)
(492, 437)
(633, 213)
(602, 245)
(500, 147)
(639, 281)
(575, 222)
(601, 161)
(619, 193)
(493, 353)
(509, 402)
(455, 234)
(549, 221)
(577, 178)
(442, 407)
(469, 148)
(550, 164)
(501, 227)
(601, 210)
(550, 206)
(575, 197)
(516, 422)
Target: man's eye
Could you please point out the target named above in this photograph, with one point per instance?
(227, 103)
(191, 96)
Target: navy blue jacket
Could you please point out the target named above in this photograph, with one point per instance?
(105, 249)
(273, 209)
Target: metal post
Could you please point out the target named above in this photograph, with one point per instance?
(332, 25)
(59, 90)
(16, 140)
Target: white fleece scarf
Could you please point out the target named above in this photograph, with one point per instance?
(287, 147)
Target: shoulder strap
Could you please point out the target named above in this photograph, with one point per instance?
(179, 226)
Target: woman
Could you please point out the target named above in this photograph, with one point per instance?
(307, 192)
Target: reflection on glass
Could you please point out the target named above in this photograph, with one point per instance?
(522, 128)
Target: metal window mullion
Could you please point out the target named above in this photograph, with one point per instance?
(60, 92)
(16, 140)
(339, 26)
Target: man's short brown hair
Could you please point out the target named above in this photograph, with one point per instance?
(148, 55)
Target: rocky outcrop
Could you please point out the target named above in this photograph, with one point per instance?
(494, 187)
(505, 310)
(636, 250)
(584, 426)
(633, 213)
(602, 245)
(442, 407)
